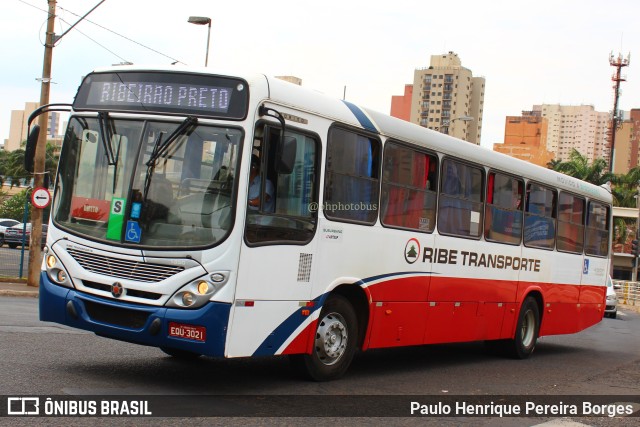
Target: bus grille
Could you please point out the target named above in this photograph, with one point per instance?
(123, 268)
(130, 292)
(118, 316)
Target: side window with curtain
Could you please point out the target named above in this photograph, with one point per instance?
(460, 203)
(503, 212)
(597, 235)
(571, 216)
(352, 177)
(540, 217)
(409, 179)
(281, 210)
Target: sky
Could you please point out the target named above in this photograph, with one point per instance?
(554, 52)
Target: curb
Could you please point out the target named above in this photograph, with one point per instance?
(29, 294)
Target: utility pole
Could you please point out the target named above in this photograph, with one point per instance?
(617, 78)
(33, 278)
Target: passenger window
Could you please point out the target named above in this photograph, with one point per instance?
(352, 177)
(539, 217)
(503, 213)
(460, 203)
(282, 205)
(571, 210)
(409, 180)
(597, 236)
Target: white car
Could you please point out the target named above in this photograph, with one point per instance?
(611, 308)
(4, 224)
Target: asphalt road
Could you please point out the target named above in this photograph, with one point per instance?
(38, 358)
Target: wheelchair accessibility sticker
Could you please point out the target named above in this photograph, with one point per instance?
(133, 232)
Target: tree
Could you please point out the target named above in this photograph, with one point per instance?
(12, 165)
(578, 166)
(13, 207)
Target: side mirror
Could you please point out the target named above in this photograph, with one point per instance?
(30, 150)
(617, 286)
(287, 150)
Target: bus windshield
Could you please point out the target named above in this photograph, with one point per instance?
(147, 182)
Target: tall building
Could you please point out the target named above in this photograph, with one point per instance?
(445, 97)
(575, 126)
(525, 138)
(626, 155)
(634, 118)
(18, 126)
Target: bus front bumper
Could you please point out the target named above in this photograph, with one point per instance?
(135, 323)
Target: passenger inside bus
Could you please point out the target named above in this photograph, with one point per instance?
(255, 188)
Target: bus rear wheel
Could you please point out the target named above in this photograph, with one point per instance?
(334, 341)
(527, 330)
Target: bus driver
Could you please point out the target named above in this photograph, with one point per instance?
(255, 188)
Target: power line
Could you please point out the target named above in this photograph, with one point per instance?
(104, 28)
(102, 46)
(120, 35)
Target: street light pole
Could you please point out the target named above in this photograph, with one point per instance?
(462, 119)
(203, 20)
(33, 278)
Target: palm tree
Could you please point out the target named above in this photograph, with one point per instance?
(578, 166)
(12, 165)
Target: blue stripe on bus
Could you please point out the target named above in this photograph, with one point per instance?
(361, 116)
(283, 332)
(275, 340)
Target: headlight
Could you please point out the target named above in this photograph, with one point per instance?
(197, 293)
(612, 297)
(55, 270)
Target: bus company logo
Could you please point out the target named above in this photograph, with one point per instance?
(411, 251)
(117, 290)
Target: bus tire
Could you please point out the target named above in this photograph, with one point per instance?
(180, 354)
(334, 341)
(527, 329)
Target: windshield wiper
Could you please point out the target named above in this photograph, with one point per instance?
(160, 148)
(106, 134)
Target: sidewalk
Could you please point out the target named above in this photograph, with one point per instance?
(17, 288)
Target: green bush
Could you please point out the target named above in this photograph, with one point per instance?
(13, 207)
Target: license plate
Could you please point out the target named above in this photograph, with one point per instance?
(189, 332)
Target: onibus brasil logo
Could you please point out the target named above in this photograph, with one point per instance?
(411, 251)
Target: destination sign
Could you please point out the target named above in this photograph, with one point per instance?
(172, 93)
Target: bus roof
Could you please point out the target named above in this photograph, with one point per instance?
(301, 98)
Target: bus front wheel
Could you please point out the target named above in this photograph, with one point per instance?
(527, 330)
(334, 341)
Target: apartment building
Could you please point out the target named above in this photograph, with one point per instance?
(18, 126)
(445, 97)
(525, 138)
(575, 126)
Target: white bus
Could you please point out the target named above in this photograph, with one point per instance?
(241, 215)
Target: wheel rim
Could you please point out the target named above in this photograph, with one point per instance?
(528, 328)
(331, 338)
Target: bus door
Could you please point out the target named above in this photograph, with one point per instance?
(276, 266)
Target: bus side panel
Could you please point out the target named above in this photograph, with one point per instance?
(452, 322)
(397, 324)
(557, 280)
(593, 291)
(559, 318)
(269, 327)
